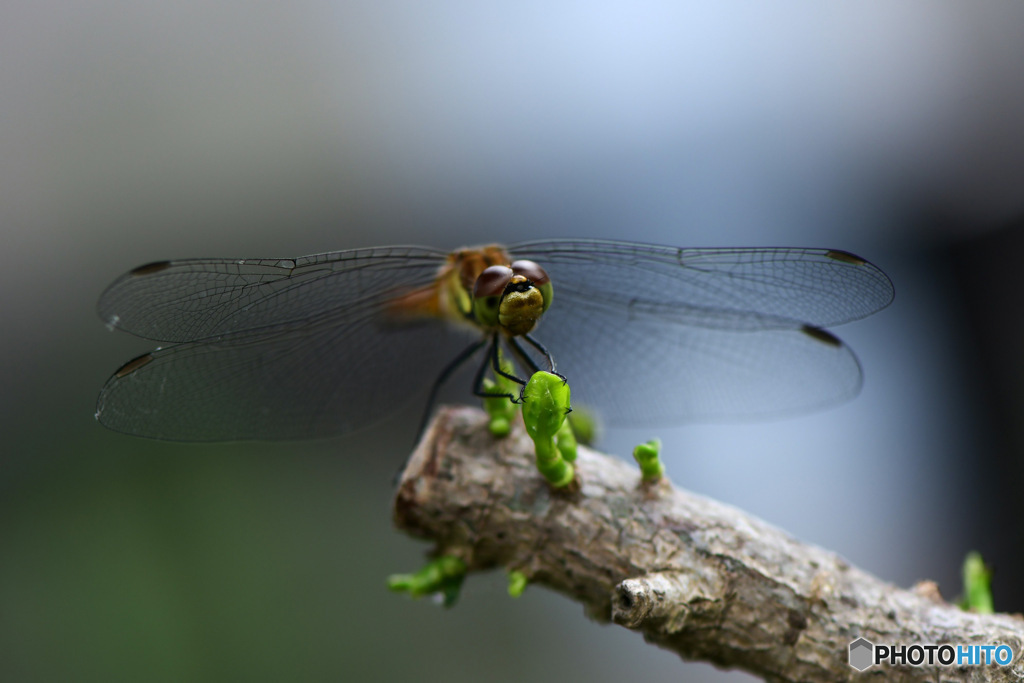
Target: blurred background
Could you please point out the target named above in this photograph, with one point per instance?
(133, 132)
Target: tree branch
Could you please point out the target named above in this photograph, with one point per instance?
(697, 577)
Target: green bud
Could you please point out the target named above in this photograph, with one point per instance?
(647, 455)
(585, 425)
(441, 576)
(546, 403)
(500, 408)
(977, 585)
(516, 583)
(566, 442)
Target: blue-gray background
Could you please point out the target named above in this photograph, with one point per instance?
(133, 132)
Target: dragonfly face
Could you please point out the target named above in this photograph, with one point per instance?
(326, 344)
(511, 298)
(485, 287)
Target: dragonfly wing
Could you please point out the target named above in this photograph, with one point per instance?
(193, 299)
(649, 334)
(729, 288)
(273, 348)
(303, 382)
(646, 371)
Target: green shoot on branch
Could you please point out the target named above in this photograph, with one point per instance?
(516, 583)
(977, 585)
(442, 576)
(565, 440)
(647, 455)
(501, 410)
(585, 425)
(545, 405)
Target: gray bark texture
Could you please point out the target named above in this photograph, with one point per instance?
(697, 577)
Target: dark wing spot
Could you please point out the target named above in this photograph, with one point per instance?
(133, 365)
(845, 257)
(824, 336)
(151, 268)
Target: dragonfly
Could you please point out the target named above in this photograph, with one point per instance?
(328, 344)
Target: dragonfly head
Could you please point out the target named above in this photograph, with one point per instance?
(512, 297)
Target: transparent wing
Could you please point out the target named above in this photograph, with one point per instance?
(300, 383)
(648, 372)
(272, 349)
(188, 300)
(650, 334)
(724, 288)
(283, 348)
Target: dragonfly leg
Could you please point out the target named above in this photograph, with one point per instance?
(454, 365)
(494, 361)
(547, 356)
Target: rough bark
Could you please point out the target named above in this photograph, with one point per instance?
(697, 577)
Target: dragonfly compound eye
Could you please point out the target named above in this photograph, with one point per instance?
(487, 293)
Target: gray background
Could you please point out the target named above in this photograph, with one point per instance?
(136, 132)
